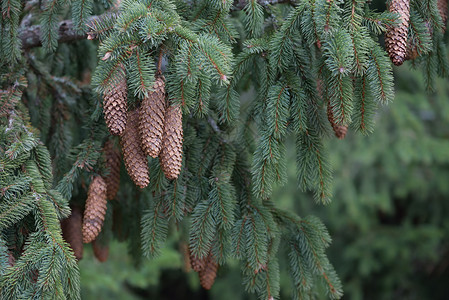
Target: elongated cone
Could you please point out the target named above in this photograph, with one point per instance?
(135, 160)
(95, 209)
(171, 152)
(113, 164)
(208, 273)
(101, 252)
(339, 130)
(442, 7)
(115, 104)
(72, 231)
(151, 119)
(396, 37)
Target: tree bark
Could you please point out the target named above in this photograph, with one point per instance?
(30, 36)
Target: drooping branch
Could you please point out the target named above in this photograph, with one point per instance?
(30, 36)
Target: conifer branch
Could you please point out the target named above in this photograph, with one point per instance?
(31, 36)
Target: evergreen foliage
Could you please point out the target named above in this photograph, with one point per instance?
(298, 58)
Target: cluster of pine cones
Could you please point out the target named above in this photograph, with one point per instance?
(153, 129)
(398, 46)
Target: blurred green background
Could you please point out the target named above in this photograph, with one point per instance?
(388, 218)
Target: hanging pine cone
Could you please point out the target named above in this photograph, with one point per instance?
(72, 231)
(171, 152)
(135, 160)
(95, 209)
(396, 37)
(412, 51)
(11, 259)
(151, 114)
(412, 45)
(184, 249)
(442, 7)
(339, 130)
(197, 263)
(113, 164)
(115, 104)
(208, 273)
(101, 252)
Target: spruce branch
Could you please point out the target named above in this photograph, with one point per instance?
(67, 31)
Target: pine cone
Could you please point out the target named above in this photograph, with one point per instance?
(151, 114)
(339, 130)
(208, 273)
(101, 252)
(197, 263)
(115, 105)
(95, 209)
(171, 152)
(396, 37)
(72, 231)
(11, 259)
(184, 249)
(442, 7)
(113, 164)
(412, 45)
(135, 160)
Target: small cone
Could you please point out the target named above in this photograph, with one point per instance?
(101, 252)
(396, 37)
(72, 232)
(171, 153)
(208, 273)
(151, 119)
(135, 160)
(95, 209)
(339, 130)
(442, 7)
(113, 163)
(115, 104)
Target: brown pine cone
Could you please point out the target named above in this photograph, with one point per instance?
(135, 160)
(113, 163)
(412, 45)
(72, 231)
(11, 259)
(95, 209)
(151, 117)
(396, 37)
(171, 152)
(208, 273)
(184, 249)
(115, 104)
(101, 252)
(442, 7)
(339, 130)
(197, 263)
